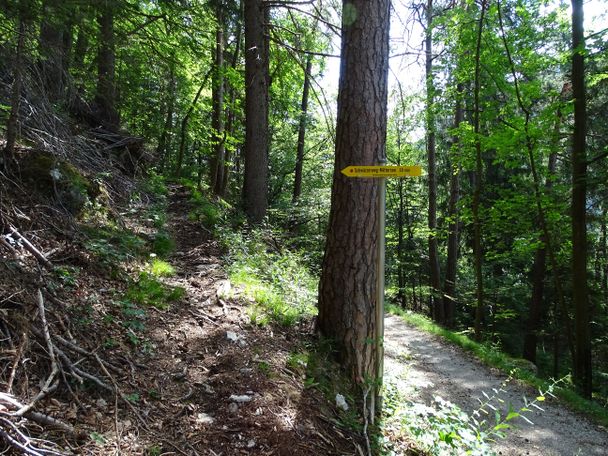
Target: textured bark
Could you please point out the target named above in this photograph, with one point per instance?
(13, 118)
(105, 97)
(184, 128)
(164, 141)
(55, 43)
(604, 255)
(536, 309)
(231, 115)
(255, 185)
(217, 119)
(297, 182)
(449, 287)
(582, 364)
(347, 290)
(477, 242)
(437, 310)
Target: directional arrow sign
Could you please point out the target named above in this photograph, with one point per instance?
(381, 171)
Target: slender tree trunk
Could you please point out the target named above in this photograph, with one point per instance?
(297, 182)
(80, 48)
(477, 242)
(217, 121)
(105, 97)
(13, 118)
(437, 309)
(347, 290)
(582, 364)
(184, 127)
(604, 255)
(539, 269)
(449, 287)
(255, 186)
(231, 115)
(164, 141)
(546, 239)
(55, 42)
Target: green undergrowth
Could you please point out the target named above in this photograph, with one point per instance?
(211, 212)
(136, 261)
(517, 367)
(279, 283)
(315, 361)
(443, 429)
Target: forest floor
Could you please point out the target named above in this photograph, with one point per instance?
(422, 366)
(194, 378)
(222, 386)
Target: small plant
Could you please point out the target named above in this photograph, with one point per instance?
(264, 368)
(163, 244)
(297, 361)
(442, 428)
(133, 397)
(161, 268)
(147, 290)
(282, 287)
(66, 275)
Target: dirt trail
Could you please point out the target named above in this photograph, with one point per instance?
(422, 367)
(216, 384)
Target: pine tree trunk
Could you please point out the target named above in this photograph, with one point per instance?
(435, 273)
(347, 290)
(449, 287)
(164, 141)
(582, 364)
(105, 97)
(255, 185)
(297, 182)
(13, 118)
(54, 43)
(217, 119)
(539, 265)
(477, 242)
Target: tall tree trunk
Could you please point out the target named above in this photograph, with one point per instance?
(105, 97)
(54, 43)
(13, 118)
(535, 312)
(164, 141)
(449, 286)
(184, 127)
(582, 364)
(435, 273)
(477, 242)
(604, 255)
(217, 119)
(297, 182)
(231, 115)
(347, 290)
(255, 185)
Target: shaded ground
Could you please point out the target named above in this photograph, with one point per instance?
(422, 366)
(222, 386)
(195, 379)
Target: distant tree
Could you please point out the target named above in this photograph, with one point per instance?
(347, 290)
(23, 15)
(105, 95)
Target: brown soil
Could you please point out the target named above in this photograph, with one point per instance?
(174, 383)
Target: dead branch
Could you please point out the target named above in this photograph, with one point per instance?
(30, 248)
(18, 355)
(49, 385)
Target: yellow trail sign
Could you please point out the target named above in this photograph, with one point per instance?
(382, 171)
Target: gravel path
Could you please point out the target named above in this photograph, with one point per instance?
(422, 367)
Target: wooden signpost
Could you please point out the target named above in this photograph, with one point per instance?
(380, 172)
